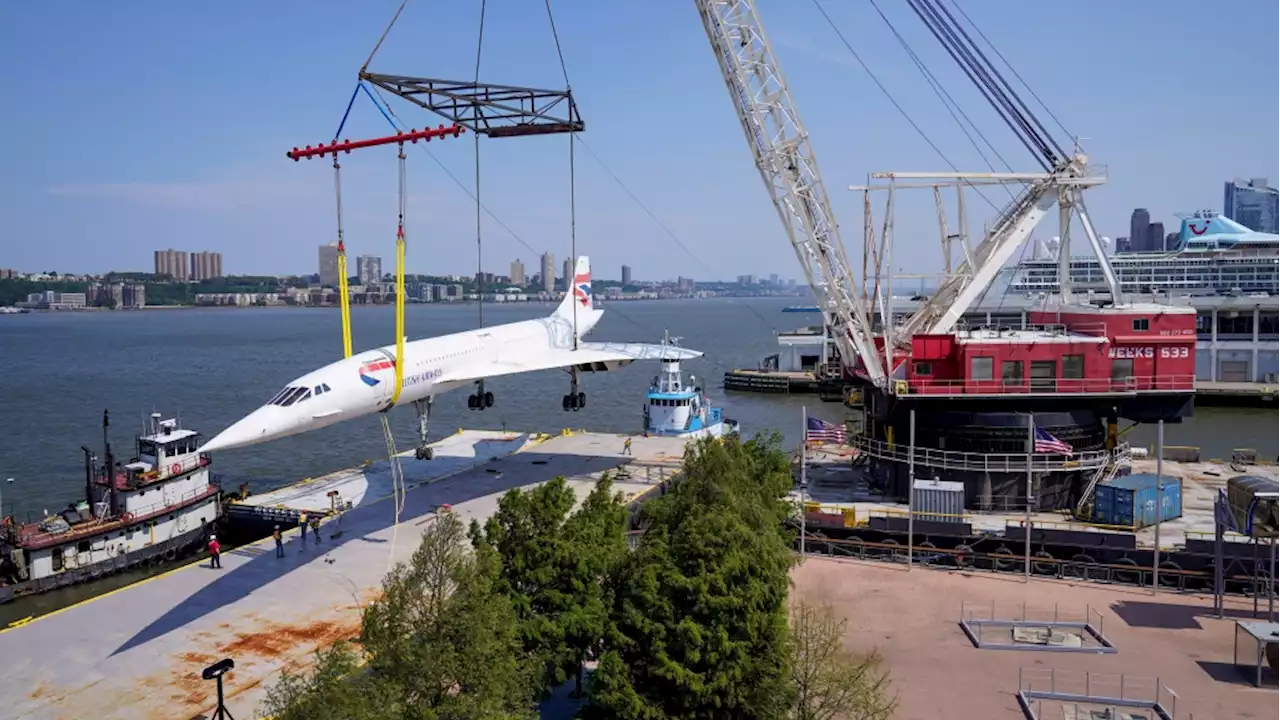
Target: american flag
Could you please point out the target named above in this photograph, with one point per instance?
(823, 432)
(1046, 443)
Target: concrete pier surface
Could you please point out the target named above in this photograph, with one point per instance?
(138, 652)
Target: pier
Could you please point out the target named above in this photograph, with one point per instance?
(138, 652)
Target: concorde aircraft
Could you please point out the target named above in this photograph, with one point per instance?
(365, 382)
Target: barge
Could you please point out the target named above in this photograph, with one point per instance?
(155, 508)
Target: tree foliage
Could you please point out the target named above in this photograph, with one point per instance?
(553, 565)
(693, 624)
(699, 623)
(335, 689)
(830, 680)
(440, 643)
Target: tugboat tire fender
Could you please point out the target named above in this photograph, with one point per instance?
(170, 554)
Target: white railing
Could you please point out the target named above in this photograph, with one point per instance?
(1051, 386)
(989, 462)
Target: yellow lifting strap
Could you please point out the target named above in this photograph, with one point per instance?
(344, 298)
(395, 395)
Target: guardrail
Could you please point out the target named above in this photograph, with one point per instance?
(1079, 567)
(1054, 386)
(990, 462)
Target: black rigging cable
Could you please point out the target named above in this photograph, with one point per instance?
(901, 110)
(1012, 69)
(492, 216)
(476, 134)
(570, 281)
(971, 68)
(953, 107)
(618, 181)
(1044, 135)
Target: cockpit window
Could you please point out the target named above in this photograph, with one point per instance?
(279, 396)
(298, 396)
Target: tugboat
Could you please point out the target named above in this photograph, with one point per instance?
(152, 509)
(674, 409)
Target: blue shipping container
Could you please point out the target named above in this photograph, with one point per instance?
(1131, 501)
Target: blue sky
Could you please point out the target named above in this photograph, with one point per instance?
(141, 125)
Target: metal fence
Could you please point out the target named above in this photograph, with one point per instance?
(991, 462)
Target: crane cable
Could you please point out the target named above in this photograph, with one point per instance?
(344, 298)
(398, 489)
(571, 280)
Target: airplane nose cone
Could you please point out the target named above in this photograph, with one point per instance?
(252, 429)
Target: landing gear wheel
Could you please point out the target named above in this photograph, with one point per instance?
(471, 402)
(576, 399)
(488, 399)
(423, 408)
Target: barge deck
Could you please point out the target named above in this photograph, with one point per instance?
(138, 652)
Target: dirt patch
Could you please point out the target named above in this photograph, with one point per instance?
(274, 640)
(913, 620)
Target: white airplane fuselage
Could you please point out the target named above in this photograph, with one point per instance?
(365, 382)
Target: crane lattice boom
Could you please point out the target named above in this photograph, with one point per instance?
(787, 165)
(1012, 228)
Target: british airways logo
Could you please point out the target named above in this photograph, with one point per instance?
(582, 288)
(367, 370)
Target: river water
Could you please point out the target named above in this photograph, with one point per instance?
(210, 367)
(58, 371)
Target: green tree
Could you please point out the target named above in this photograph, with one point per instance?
(335, 689)
(699, 623)
(831, 681)
(440, 643)
(597, 541)
(526, 538)
(553, 567)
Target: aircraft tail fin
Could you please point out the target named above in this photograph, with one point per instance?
(578, 291)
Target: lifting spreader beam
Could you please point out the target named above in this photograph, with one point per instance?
(347, 146)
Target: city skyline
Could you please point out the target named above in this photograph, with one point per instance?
(183, 265)
(247, 202)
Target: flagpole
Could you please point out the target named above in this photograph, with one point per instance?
(911, 489)
(804, 470)
(1155, 557)
(1026, 525)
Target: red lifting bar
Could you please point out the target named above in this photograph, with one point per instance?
(347, 146)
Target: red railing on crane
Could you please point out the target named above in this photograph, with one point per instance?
(347, 146)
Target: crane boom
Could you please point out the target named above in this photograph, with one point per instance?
(787, 165)
(958, 293)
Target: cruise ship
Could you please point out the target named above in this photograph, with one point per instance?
(1214, 256)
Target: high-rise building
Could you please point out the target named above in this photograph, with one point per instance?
(206, 265)
(1253, 204)
(1138, 223)
(548, 272)
(1123, 245)
(1155, 236)
(369, 269)
(626, 274)
(517, 273)
(568, 272)
(329, 265)
(172, 263)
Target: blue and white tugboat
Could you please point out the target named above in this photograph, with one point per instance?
(674, 409)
